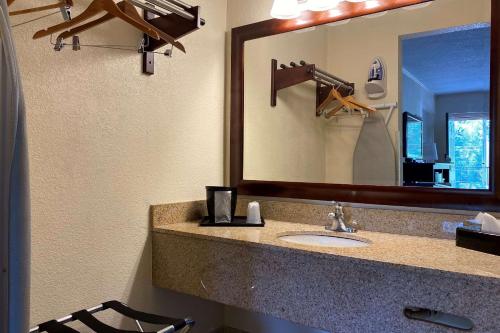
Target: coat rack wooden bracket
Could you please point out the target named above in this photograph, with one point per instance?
(288, 76)
(176, 26)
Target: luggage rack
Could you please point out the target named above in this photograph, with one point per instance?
(87, 317)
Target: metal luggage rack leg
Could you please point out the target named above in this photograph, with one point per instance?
(86, 317)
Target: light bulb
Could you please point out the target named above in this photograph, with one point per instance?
(372, 4)
(285, 9)
(322, 5)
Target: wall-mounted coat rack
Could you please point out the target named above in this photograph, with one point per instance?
(179, 20)
(287, 76)
(165, 21)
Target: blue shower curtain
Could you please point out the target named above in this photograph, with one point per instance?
(14, 190)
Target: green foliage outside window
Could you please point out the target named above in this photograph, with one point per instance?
(469, 152)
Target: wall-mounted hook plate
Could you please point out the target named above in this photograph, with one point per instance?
(169, 51)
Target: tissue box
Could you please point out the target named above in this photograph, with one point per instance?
(479, 241)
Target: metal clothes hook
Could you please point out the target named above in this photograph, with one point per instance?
(76, 43)
(169, 51)
(66, 12)
(59, 44)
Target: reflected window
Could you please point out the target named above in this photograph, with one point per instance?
(414, 140)
(469, 150)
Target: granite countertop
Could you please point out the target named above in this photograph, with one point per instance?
(411, 252)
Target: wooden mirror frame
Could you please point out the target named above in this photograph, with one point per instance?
(369, 194)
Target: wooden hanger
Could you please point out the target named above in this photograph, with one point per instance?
(346, 102)
(333, 112)
(96, 7)
(130, 10)
(60, 4)
(332, 96)
(359, 105)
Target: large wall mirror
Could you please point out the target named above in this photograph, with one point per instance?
(388, 103)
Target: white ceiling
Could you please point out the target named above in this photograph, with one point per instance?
(450, 61)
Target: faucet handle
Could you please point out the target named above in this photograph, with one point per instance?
(339, 210)
(334, 222)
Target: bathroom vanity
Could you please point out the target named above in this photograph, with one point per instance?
(441, 63)
(358, 289)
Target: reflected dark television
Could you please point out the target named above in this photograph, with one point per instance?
(413, 137)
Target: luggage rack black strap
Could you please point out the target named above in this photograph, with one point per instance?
(86, 317)
(54, 326)
(96, 325)
(143, 316)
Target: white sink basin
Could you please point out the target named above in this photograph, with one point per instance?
(323, 240)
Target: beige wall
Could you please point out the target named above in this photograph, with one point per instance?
(285, 142)
(106, 142)
(242, 12)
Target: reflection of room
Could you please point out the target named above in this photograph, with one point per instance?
(289, 142)
(446, 85)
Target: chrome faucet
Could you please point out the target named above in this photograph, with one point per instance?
(339, 221)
